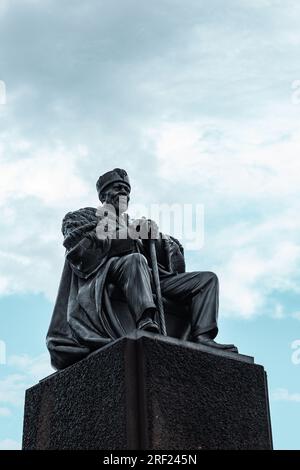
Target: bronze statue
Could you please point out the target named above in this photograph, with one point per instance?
(107, 287)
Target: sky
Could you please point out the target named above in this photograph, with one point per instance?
(200, 102)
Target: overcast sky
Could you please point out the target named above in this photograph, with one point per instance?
(198, 100)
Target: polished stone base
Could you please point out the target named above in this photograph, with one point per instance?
(150, 392)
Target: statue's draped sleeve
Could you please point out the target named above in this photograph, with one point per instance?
(76, 327)
(87, 256)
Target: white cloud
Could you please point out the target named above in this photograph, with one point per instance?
(12, 389)
(201, 111)
(282, 394)
(251, 161)
(37, 187)
(5, 412)
(10, 444)
(250, 276)
(278, 312)
(28, 371)
(35, 367)
(50, 175)
(3, 6)
(256, 263)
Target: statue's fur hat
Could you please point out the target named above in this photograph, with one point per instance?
(114, 176)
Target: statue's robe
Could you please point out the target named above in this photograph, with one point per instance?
(84, 319)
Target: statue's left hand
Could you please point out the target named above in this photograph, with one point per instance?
(153, 229)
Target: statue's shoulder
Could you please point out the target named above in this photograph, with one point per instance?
(75, 220)
(176, 253)
(174, 243)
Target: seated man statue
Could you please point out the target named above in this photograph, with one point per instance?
(100, 251)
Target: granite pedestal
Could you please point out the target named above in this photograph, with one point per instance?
(145, 391)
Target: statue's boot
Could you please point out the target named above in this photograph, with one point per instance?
(147, 322)
(207, 341)
(149, 325)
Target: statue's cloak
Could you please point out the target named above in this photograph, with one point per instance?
(83, 318)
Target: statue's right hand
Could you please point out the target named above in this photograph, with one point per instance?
(146, 228)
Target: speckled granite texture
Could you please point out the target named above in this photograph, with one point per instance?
(149, 392)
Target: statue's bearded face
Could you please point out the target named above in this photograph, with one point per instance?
(117, 195)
